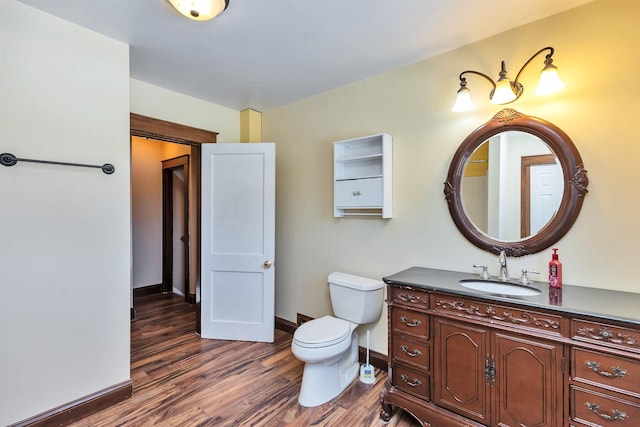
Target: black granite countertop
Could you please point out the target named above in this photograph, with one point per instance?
(600, 303)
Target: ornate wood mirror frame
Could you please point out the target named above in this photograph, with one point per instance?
(575, 183)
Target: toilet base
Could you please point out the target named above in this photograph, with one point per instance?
(323, 381)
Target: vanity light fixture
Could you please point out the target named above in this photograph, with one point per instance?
(200, 10)
(505, 90)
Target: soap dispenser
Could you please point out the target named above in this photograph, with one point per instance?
(555, 270)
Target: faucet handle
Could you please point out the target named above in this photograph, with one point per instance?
(485, 273)
(524, 279)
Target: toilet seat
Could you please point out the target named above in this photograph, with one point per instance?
(322, 332)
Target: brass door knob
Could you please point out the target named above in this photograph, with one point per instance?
(267, 264)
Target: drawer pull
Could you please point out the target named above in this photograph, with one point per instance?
(616, 414)
(413, 324)
(414, 353)
(617, 372)
(415, 383)
(407, 297)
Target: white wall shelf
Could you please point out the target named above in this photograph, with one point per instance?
(362, 176)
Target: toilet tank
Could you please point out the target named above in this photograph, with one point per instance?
(354, 298)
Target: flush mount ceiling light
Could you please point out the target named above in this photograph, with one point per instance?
(505, 90)
(200, 10)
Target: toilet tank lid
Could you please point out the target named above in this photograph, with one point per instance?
(355, 282)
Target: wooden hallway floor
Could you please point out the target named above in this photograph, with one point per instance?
(182, 380)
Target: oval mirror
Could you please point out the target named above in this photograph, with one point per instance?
(515, 184)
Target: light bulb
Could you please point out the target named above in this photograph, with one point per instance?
(503, 93)
(200, 10)
(463, 101)
(549, 81)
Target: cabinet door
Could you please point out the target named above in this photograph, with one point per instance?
(461, 369)
(370, 192)
(353, 193)
(346, 193)
(528, 389)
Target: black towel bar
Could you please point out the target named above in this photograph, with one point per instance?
(8, 159)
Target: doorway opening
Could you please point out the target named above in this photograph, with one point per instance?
(182, 161)
(175, 228)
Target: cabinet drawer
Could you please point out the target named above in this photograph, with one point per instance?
(598, 409)
(411, 352)
(612, 336)
(411, 381)
(412, 323)
(611, 372)
(410, 297)
(497, 314)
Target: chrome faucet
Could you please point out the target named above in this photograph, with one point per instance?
(504, 273)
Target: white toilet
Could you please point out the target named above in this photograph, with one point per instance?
(329, 345)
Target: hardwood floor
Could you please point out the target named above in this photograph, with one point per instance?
(182, 380)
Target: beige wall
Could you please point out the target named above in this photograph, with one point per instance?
(146, 206)
(154, 101)
(597, 60)
(65, 246)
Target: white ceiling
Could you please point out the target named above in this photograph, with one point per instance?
(264, 53)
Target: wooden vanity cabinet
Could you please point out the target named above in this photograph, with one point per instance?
(463, 361)
(496, 378)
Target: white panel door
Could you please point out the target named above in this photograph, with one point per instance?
(238, 241)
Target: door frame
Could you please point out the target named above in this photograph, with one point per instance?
(170, 166)
(525, 188)
(162, 130)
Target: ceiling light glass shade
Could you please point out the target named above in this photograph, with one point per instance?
(463, 101)
(503, 93)
(549, 81)
(200, 10)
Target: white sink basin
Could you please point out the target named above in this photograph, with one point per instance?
(501, 288)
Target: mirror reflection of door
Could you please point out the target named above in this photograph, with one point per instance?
(540, 196)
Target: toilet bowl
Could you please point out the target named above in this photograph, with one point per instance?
(329, 345)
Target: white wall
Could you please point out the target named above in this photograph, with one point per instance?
(65, 246)
(414, 105)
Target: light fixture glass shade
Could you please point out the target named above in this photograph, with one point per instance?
(503, 93)
(549, 81)
(200, 10)
(463, 101)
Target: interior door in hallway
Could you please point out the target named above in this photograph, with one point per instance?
(238, 241)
